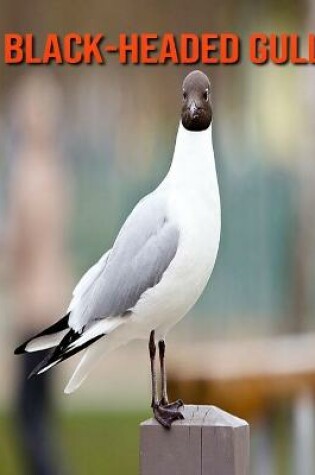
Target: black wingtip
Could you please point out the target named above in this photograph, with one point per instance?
(58, 354)
(20, 350)
(60, 325)
(31, 375)
(46, 361)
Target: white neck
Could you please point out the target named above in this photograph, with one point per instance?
(193, 156)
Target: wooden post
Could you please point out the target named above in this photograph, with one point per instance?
(208, 441)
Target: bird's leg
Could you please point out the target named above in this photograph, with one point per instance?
(163, 414)
(164, 399)
(152, 351)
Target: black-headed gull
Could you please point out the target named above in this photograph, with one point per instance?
(158, 266)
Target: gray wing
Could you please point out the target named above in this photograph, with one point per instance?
(88, 280)
(143, 250)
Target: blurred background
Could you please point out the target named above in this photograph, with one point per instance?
(78, 147)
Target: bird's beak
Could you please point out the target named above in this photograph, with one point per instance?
(192, 108)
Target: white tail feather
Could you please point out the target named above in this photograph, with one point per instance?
(45, 341)
(89, 359)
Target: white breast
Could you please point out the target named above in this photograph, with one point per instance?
(192, 193)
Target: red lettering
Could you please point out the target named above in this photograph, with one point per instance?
(91, 48)
(13, 52)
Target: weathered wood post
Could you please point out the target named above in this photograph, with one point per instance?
(208, 441)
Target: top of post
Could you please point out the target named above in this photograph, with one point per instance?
(204, 416)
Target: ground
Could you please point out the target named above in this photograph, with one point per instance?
(93, 443)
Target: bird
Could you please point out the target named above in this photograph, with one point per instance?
(158, 266)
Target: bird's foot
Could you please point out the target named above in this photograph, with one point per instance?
(167, 415)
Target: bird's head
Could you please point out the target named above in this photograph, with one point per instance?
(196, 109)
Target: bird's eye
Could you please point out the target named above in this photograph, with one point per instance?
(206, 95)
(184, 94)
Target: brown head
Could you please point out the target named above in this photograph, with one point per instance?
(196, 109)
